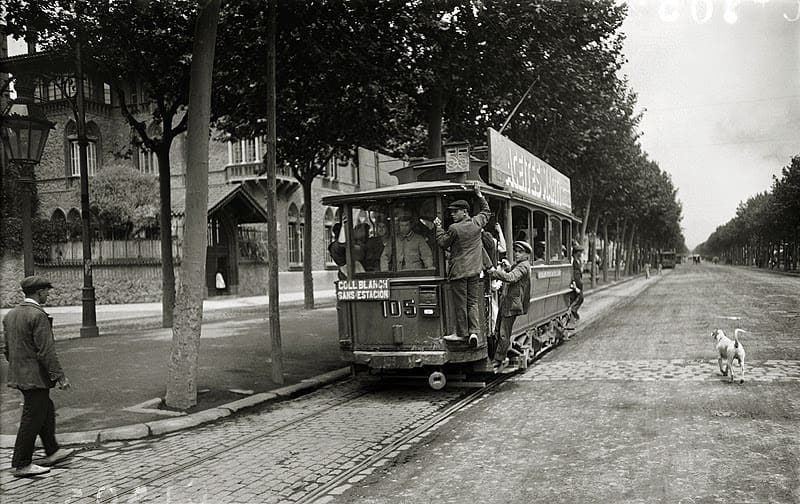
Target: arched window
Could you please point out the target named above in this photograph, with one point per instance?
(147, 161)
(59, 220)
(73, 224)
(73, 168)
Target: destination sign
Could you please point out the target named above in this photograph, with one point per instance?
(514, 168)
(362, 290)
(548, 273)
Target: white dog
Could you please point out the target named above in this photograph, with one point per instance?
(729, 350)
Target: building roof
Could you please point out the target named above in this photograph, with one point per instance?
(234, 199)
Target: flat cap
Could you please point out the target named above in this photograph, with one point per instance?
(33, 283)
(458, 205)
(523, 245)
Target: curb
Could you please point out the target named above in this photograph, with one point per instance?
(169, 425)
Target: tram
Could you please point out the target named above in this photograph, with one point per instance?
(394, 308)
(668, 258)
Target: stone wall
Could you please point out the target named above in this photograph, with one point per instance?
(135, 283)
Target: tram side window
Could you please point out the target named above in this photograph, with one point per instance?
(554, 244)
(411, 246)
(540, 236)
(521, 224)
(369, 233)
(566, 237)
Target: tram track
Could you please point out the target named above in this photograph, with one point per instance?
(386, 452)
(429, 425)
(214, 454)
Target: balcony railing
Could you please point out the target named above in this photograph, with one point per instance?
(251, 171)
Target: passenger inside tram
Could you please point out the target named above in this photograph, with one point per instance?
(413, 251)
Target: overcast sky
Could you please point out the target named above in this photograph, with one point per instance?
(721, 95)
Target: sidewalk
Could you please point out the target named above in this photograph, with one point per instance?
(118, 379)
(110, 318)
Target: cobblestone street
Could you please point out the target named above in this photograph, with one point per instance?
(279, 454)
(602, 418)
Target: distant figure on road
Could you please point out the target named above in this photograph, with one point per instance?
(33, 368)
(577, 280)
(463, 238)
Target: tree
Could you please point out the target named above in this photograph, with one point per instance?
(182, 383)
(329, 100)
(142, 48)
(124, 199)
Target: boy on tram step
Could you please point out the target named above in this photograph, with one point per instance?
(463, 238)
(515, 299)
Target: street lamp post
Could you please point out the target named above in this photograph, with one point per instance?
(24, 131)
(89, 314)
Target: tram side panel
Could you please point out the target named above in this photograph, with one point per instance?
(550, 296)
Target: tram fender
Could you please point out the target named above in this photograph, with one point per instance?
(399, 360)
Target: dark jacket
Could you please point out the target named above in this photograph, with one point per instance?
(517, 292)
(577, 273)
(466, 245)
(30, 348)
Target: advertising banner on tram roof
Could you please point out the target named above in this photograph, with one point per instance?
(516, 169)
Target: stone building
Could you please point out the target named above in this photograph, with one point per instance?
(236, 207)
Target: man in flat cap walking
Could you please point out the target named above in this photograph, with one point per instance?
(463, 237)
(33, 368)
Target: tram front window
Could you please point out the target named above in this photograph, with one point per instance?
(394, 237)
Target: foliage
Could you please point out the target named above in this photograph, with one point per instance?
(765, 226)
(45, 233)
(124, 199)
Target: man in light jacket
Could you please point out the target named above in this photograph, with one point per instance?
(463, 238)
(33, 368)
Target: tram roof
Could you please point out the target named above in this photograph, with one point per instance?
(434, 187)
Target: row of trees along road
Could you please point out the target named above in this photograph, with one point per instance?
(393, 76)
(766, 229)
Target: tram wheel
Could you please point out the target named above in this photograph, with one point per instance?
(437, 380)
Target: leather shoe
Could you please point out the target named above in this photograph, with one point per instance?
(455, 338)
(58, 456)
(499, 366)
(29, 470)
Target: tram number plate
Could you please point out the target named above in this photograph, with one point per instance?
(548, 273)
(362, 290)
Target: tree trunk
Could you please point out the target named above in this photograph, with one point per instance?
(629, 252)
(605, 250)
(593, 251)
(586, 210)
(165, 223)
(182, 382)
(435, 119)
(276, 348)
(621, 247)
(308, 276)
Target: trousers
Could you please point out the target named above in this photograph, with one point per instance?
(467, 293)
(38, 419)
(504, 337)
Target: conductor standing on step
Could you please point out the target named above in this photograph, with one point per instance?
(463, 238)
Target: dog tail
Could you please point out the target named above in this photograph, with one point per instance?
(736, 336)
